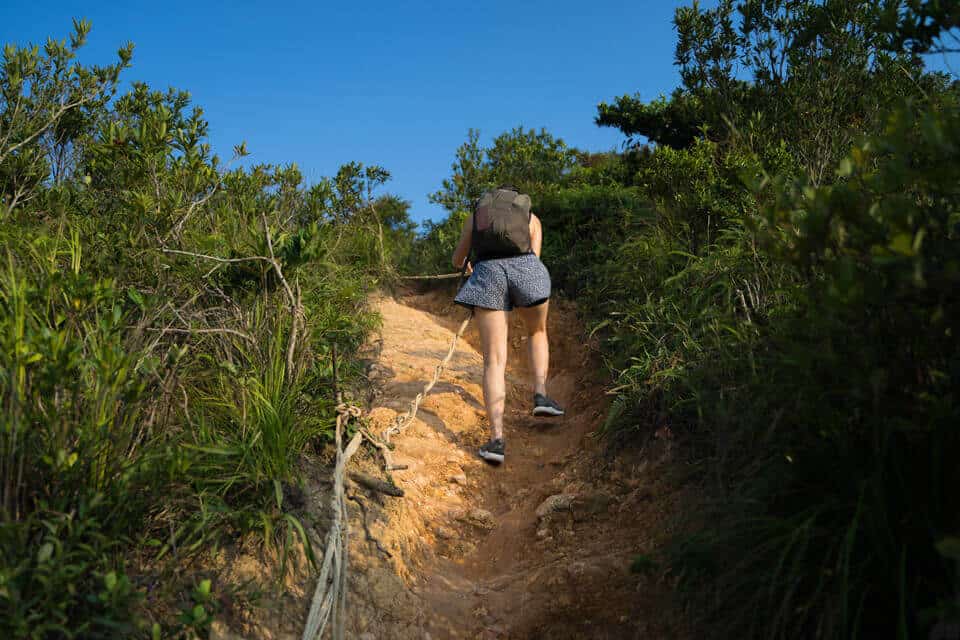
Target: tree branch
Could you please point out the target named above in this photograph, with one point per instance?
(164, 330)
(217, 258)
(60, 112)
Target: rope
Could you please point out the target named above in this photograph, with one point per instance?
(330, 597)
(442, 276)
(404, 421)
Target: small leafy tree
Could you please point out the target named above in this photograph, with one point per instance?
(530, 160)
(470, 177)
(811, 75)
(46, 103)
(533, 161)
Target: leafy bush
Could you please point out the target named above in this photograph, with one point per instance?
(166, 329)
(803, 342)
(533, 161)
(71, 428)
(774, 281)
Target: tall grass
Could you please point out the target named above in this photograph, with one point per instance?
(72, 435)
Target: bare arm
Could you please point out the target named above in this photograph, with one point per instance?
(463, 246)
(536, 234)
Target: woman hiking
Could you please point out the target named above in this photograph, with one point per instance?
(505, 238)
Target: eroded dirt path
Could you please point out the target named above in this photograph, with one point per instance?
(540, 547)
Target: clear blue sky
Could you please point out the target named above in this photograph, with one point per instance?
(390, 83)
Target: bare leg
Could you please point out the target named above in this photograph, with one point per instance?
(493, 340)
(535, 319)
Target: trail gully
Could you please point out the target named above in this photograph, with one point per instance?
(540, 547)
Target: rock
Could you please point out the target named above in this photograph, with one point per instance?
(555, 503)
(459, 478)
(481, 518)
(576, 487)
(464, 548)
(501, 583)
(443, 533)
(584, 506)
(493, 631)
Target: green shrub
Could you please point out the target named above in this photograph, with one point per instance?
(165, 352)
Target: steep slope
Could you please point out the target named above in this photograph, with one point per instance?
(538, 548)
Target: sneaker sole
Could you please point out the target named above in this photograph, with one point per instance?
(547, 411)
(492, 457)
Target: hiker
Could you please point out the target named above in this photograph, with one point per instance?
(504, 237)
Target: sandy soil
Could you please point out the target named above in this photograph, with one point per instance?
(539, 547)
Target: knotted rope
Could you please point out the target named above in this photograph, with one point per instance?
(400, 423)
(330, 597)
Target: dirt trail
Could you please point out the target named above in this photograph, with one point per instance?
(537, 548)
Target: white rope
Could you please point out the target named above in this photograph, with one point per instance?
(404, 421)
(329, 598)
(442, 276)
(329, 603)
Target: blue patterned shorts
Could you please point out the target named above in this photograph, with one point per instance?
(503, 283)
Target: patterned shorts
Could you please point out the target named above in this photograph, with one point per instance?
(503, 283)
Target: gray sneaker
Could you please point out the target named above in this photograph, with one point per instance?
(493, 451)
(544, 406)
